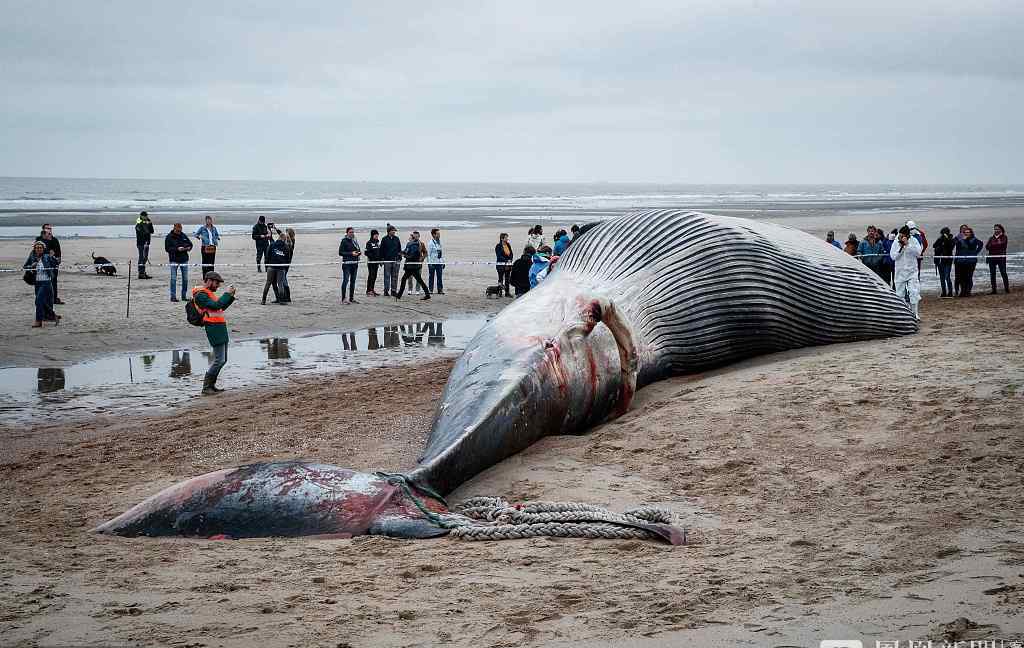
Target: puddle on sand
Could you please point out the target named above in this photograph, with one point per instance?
(162, 378)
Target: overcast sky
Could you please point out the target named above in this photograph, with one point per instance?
(674, 91)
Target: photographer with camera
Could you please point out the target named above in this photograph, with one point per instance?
(261, 234)
(905, 252)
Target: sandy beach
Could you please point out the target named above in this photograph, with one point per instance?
(869, 489)
(94, 315)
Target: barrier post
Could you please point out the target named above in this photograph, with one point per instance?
(128, 299)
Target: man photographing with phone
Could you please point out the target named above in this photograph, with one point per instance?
(212, 308)
(905, 252)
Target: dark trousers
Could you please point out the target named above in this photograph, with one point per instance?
(261, 251)
(143, 257)
(44, 302)
(504, 272)
(435, 270)
(885, 272)
(53, 283)
(412, 272)
(348, 279)
(521, 291)
(274, 276)
(1001, 265)
(945, 267)
(208, 259)
(964, 278)
(220, 358)
(372, 268)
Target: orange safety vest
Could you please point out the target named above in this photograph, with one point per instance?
(210, 316)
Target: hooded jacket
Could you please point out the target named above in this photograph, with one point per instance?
(905, 259)
(944, 247)
(540, 264)
(143, 232)
(520, 277)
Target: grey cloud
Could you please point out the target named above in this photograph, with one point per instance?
(699, 91)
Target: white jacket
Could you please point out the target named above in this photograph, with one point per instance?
(905, 259)
(434, 252)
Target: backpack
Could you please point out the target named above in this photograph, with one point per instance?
(195, 318)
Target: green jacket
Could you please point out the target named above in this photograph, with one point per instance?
(215, 333)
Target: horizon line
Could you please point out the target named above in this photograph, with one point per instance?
(522, 182)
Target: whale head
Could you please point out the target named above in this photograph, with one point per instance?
(557, 361)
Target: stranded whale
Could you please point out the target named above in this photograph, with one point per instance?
(639, 298)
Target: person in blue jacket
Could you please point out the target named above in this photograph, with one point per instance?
(561, 242)
(42, 265)
(966, 248)
(541, 262)
(209, 239)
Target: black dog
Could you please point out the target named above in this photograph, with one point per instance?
(493, 291)
(103, 265)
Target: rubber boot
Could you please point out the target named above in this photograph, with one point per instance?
(208, 388)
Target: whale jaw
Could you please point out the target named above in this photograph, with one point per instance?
(291, 498)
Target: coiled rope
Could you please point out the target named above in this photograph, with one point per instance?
(499, 520)
(494, 518)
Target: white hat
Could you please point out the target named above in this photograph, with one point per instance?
(911, 224)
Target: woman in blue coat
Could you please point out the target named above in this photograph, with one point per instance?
(41, 266)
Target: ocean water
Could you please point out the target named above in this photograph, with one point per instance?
(97, 207)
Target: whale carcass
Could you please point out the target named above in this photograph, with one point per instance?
(639, 298)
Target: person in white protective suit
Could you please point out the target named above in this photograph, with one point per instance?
(905, 252)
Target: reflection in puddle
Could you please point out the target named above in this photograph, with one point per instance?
(165, 377)
(181, 364)
(50, 379)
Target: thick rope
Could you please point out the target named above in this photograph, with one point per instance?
(493, 518)
(498, 520)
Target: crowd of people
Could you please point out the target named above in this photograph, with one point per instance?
(896, 258)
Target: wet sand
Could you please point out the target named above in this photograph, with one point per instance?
(867, 490)
(94, 321)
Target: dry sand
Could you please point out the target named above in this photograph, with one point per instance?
(872, 489)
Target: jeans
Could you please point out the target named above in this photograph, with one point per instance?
(143, 257)
(282, 283)
(945, 267)
(261, 251)
(220, 358)
(372, 268)
(435, 270)
(993, 264)
(348, 279)
(44, 302)
(390, 277)
(184, 279)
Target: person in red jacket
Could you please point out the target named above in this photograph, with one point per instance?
(996, 248)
